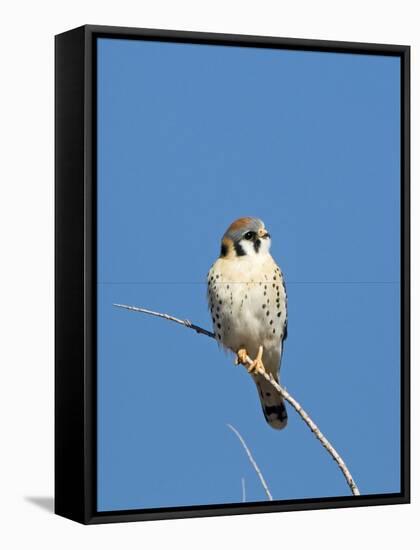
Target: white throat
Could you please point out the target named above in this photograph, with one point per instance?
(259, 253)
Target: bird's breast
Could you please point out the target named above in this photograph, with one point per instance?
(247, 304)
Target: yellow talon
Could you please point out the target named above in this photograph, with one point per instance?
(257, 366)
(241, 357)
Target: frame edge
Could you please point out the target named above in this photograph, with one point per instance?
(69, 428)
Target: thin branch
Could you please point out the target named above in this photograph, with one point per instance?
(243, 489)
(316, 431)
(252, 461)
(285, 394)
(183, 322)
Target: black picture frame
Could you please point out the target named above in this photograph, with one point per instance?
(75, 273)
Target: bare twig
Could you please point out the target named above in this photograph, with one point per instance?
(316, 431)
(284, 393)
(252, 461)
(243, 489)
(183, 322)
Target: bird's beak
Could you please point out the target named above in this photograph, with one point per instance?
(263, 233)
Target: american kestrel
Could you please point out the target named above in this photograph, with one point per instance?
(248, 303)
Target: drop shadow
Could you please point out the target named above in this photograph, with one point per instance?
(46, 503)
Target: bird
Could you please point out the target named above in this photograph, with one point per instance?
(247, 300)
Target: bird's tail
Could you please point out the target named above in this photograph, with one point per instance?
(272, 404)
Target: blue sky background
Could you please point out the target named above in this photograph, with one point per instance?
(191, 137)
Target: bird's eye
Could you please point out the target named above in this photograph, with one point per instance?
(248, 236)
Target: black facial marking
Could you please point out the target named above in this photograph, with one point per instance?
(223, 250)
(239, 250)
(257, 245)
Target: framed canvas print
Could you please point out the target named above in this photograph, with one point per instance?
(229, 200)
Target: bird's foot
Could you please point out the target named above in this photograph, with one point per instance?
(257, 366)
(241, 357)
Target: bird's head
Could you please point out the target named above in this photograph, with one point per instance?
(245, 237)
